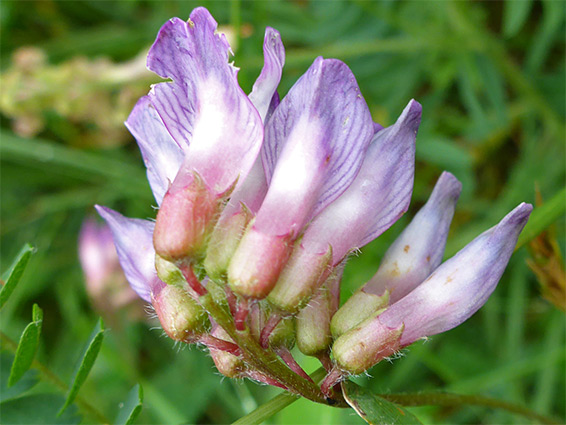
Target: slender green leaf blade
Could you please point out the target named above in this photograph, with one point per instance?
(90, 353)
(27, 347)
(131, 408)
(515, 14)
(15, 273)
(374, 409)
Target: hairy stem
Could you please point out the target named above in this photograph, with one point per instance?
(265, 361)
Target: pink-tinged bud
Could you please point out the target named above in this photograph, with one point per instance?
(359, 307)
(186, 217)
(362, 347)
(227, 364)
(182, 318)
(257, 263)
(303, 274)
(223, 243)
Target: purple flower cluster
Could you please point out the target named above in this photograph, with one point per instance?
(266, 197)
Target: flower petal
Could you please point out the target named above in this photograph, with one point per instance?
(161, 154)
(314, 146)
(418, 250)
(460, 286)
(378, 196)
(266, 84)
(204, 107)
(133, 240)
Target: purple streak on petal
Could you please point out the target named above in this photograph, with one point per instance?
(133, 241)
(267, 82)
(314, 146)
(418, 250)
(204, 107)
(461, 285)
(378, 196)
(161, 154)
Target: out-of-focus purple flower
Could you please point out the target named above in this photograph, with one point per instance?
(106, 284)
(419, 305)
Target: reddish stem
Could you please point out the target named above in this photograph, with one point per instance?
(271, 324)
(231, 298)
(324, 359)
(333, 378)
(192, 280)
(260, 377)
(290, 361)
(241, 314)
(219, 344)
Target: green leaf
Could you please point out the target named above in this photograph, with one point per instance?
(374, 409)
(515, 15)
(37, 409)
(130, 410)
(542, 217)
(88, 358)
(15, 273)
(29, 379)
(27, 347)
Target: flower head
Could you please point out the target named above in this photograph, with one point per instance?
(262, 198)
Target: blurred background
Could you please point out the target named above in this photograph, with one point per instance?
(491, 79)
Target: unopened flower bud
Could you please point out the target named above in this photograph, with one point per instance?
(303, 274)
(284, 334)
(227, 364)
(313, 325)
(313, 322)
(168, 272)
(257, 263)
(362, 347)
(182, 318)
(223, 243)
(359, 307)
(185, 219)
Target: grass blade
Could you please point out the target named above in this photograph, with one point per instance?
(15, 273)
(90, 353)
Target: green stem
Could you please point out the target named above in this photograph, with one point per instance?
(58, 382)
(265, 361)
(276, 404)
(448, 399)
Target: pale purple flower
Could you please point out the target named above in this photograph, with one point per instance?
(378, 196)
(422, 306)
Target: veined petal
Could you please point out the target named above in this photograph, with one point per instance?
(460, 286)
(204, 108)
(418, 250)
(379, 195)
(161, 154)
(266, 85)
(314, 146)
(133, 241)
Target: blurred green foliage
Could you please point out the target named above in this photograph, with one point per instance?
(491, 79)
